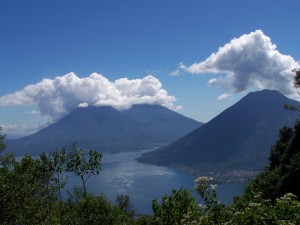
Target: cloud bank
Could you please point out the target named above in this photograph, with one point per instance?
(248, 61)
(57, 97)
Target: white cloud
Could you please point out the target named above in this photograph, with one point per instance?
(175, 73)
(179, 107)
(83, 105)
(224, 96)
(34, 112)
(61, 95)
(249, 61)
(21, 129)
(8, 127)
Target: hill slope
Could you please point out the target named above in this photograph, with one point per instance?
(108, 130)
(237, 139)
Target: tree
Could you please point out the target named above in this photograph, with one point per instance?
(47, 174)
(2, 139)
(22, 191)
(56, 164)
(297, 78)
(84, 164)
(296, 85)
(123, 202)
(207, 190)
(279, 150)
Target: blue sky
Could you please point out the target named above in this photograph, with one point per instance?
(133, 39)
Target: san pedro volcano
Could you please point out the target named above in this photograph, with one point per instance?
(238, 139)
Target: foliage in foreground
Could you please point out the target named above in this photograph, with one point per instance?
(26, 199)
(283, 173)
(246, 210)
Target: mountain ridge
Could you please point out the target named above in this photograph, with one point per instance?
(239, 138)
(108, 130)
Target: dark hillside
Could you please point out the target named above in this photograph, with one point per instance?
(108, 130)
(238, 138)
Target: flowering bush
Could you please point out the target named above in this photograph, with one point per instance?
(207, 190)
(178, 208)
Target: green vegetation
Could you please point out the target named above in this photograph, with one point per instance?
(175, 208)
(283, 173)
(30, 190)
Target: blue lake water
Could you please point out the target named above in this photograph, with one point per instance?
(122, 174)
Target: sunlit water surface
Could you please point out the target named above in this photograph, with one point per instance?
(122, 174)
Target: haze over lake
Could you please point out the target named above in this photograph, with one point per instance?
(122, 174)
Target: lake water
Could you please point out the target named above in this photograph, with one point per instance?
(122, 174)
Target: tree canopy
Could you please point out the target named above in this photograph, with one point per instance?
(2, 138)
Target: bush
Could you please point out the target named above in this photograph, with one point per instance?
(177, 208)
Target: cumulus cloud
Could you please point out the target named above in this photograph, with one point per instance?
(56, 97)
(248, 61)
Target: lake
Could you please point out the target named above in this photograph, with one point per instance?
(122, 174)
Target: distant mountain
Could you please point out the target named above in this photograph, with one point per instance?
(237, 139)
(108, 130)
